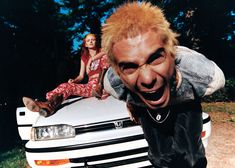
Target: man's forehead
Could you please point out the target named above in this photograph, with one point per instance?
(127, 43)
(139, 38)
(135, 41)
(142, 42)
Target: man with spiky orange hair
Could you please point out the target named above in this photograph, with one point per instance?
(161, 82)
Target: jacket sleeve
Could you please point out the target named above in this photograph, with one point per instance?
(201, 73)
(114, 86)
(217, 82)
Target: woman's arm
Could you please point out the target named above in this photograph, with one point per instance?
(98, 56)
(88, 65)
(80, 77)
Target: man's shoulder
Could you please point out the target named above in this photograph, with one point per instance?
(184, 53)
(186, 58)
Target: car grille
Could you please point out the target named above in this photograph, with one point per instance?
(120, 158)
(102, 126)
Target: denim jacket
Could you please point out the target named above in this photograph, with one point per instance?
(198, 77)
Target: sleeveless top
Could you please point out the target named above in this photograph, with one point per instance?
(95, 66)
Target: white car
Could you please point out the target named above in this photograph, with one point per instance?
(87, 133)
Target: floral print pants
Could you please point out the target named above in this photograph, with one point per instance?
(73, 89)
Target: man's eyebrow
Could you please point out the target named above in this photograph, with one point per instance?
(127, 64)
(151, 58)
(155, 55)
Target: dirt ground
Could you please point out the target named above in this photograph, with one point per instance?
(221, 147)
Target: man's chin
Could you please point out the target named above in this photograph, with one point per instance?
(154, 106)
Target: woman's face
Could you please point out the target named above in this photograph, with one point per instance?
(90, 41)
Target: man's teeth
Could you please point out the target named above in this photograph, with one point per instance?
(153, 95)
(150, 92)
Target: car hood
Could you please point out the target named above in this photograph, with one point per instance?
(82, 111)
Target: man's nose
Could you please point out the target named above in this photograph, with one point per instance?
(146, 77)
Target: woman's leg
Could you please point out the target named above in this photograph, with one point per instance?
(58, 95)
(66, 89)
(69, 89)
(44, 108)
(85, 90)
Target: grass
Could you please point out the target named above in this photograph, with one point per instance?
(223, 107)
(226, 107)
(14, 158)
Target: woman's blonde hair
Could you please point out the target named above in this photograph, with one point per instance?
(134, 18)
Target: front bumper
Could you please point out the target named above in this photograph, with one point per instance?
(127, 151)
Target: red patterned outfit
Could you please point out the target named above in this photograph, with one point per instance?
(83, 90)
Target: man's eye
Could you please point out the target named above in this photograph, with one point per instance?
(158, 60)
(157, 57)
(128, 69)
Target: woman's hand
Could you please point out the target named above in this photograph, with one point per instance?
(73, 81)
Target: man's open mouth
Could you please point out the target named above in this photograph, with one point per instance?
(154, 96)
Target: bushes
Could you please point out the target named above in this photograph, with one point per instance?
(227, 94)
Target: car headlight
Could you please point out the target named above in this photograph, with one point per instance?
(52, 132)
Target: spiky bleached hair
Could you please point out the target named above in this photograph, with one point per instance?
(134, 18)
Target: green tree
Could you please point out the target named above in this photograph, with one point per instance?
(206, 26)
(31, 47)
(84, 16)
